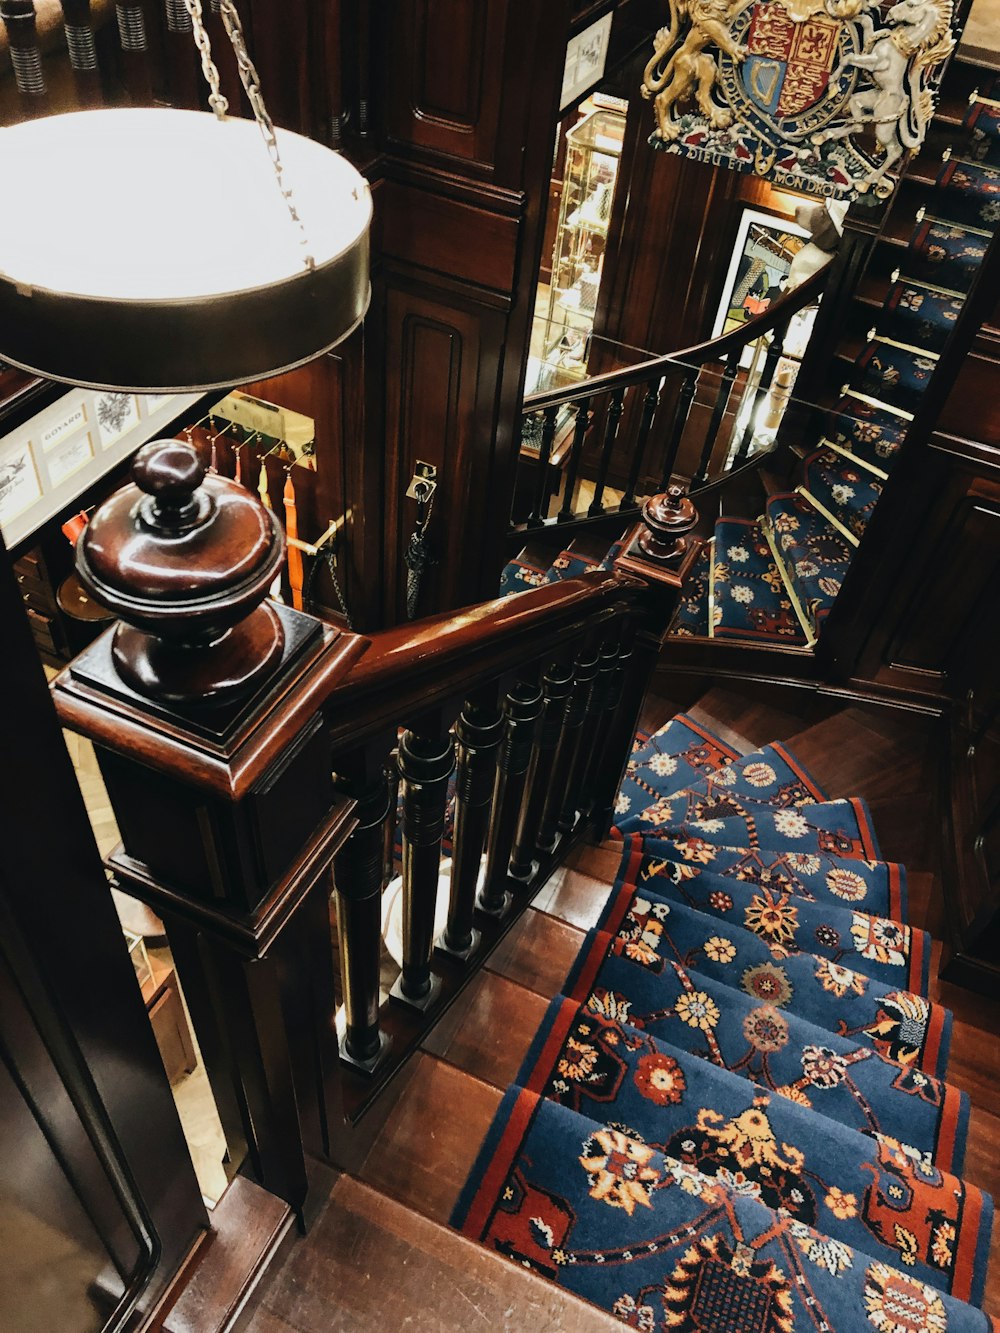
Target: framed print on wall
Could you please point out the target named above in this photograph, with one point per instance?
(763, 251)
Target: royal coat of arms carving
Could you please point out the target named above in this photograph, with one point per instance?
(822, 96)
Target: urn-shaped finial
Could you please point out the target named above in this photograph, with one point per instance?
(668, 518)
(184, 558)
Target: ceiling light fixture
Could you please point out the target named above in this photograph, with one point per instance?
(150, 249)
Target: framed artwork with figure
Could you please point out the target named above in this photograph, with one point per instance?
(763, 249)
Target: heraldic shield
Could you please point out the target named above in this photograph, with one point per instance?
(821, 96)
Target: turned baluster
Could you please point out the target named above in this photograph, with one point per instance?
(606, 696)
(425, 764)
(22, 35)
(358, 873)
(477, 734)
(682, 409)
(718, 412)
(576, 737)
(565, 756)
(580, 429)
(522, 708)
(649, 405)
(771, 359)
(556, 685)
(615, 409)
(540, 505)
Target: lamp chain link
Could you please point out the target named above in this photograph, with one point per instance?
(216, 99)
(251, 86)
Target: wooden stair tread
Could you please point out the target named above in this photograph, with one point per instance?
(750, 716)
(488, 1034)
(371, 1263)
(425, 1150)
(537, 952)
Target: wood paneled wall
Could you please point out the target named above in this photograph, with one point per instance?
(467, 97)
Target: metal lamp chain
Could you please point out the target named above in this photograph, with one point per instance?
(251, 86)
(216, 99)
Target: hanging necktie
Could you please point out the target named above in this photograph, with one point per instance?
(295, 572)
(418, 555)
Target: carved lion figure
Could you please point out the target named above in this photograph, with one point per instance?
(672, 78)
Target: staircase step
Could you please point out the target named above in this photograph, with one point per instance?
(612, 1072)
(705, 1245)
(919, 315)
(943, 254)
(748, 598)
(370, 1262)
(876, 946)
(895, 375)
(815, 554)
(488, 1033)
(423, 1153)
(847, 493)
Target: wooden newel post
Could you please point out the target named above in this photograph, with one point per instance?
(203, 704)
(425, 764)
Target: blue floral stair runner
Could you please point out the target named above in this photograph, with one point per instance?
(735, 1116)
(784, 591)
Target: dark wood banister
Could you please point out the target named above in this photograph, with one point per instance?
(426, 662)
(787, 305)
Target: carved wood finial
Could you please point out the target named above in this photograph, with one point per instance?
(668, 518)
(185, 558)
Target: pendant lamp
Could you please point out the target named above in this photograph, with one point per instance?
(149, 249)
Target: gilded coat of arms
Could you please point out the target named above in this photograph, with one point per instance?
(821, 96)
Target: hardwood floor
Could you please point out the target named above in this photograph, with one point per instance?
(390, 1216)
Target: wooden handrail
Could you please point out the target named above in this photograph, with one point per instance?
(787, 305)
(426, 662)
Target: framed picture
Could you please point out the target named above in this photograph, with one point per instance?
(763, 251)
(116, 414)
(68, 458)
(19, 483)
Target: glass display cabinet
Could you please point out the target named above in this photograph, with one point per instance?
(593, 151)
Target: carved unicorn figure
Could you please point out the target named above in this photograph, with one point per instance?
(900, 104)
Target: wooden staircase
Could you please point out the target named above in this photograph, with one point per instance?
(380, 1253)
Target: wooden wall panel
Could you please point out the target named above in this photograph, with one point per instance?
(939, 616)
(448, 57)
(475, 244)
(442, 378)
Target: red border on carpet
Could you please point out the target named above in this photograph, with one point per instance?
(800, 772)
(951, 1109)
(590, 966)
(504, 1153)
(865, 829)
(915, 971)
(561, 1024)
(964, 1272)
(932, 1046)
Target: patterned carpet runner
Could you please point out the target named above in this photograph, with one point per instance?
(735, 1116)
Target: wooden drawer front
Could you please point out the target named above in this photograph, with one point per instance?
(46, 632)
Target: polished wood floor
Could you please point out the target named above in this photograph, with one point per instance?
(389, 1214)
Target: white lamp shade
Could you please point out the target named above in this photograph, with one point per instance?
(150, 249)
